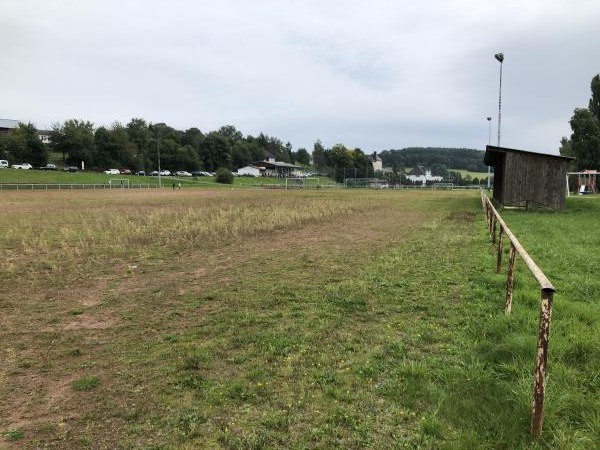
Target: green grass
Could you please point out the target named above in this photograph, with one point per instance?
(14, 435)
(332, 319)
(86, 383)
(473, 175)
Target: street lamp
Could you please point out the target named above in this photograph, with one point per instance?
(489, 119)
(500, 58)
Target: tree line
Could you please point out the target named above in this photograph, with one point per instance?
(584, 143)
(138, 144)
(439, 160)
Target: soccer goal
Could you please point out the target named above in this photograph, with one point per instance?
(302, 183)
(122, 183)
(366, 183)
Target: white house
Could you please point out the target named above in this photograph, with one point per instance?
(249, 171)
(421, 175)
(377, 162)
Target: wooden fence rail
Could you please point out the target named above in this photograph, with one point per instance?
(497, 229)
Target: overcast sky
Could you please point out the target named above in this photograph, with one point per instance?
(374, 74)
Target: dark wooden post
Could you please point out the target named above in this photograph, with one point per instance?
(539, 386)
(510, 282)
(499, 253)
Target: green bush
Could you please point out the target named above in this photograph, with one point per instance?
(86, 383)
(224, 176)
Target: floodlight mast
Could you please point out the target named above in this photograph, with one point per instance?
(489, 119)
(500, 58)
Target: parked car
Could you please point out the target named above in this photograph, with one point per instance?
(141, 172)
(71, 169)
(48, 167)
(125, 172)
(154, 173)
(112, 172)
(3, 164)
(24, 166)
(165, 173)
(182, 173)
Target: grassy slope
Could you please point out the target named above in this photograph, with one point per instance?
(341, 319)
(464, 173)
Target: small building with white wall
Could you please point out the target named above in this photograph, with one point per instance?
(249, 171)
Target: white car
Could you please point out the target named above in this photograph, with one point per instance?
(24, 166)
(112, 172)
(3, 164)
(182, 173)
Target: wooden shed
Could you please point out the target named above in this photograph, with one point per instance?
(527, 179)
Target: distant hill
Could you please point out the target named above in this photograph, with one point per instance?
(454, 158)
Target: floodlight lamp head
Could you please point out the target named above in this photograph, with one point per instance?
(499, 57)
(489, 119)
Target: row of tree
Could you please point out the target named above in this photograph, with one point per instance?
(138, 145)
(584, 143)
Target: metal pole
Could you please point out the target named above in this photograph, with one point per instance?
(499, 57)
(489, 119)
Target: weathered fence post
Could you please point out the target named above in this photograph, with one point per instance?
(499, 252)
(539, 386)
(510, 282)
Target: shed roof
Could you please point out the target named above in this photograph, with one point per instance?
(273, 164)
(493, 154)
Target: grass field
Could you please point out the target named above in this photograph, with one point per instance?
(467, 173)
(247, 319)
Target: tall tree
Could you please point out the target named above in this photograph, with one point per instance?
(113, 148)
(594, 105)
(302, 157)
(24, 145)
(141, 137)
(585, 139)
(566, 149)
(75, 140)
(3, 139)
(318, 156)
(230, 133)
(215, 151)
